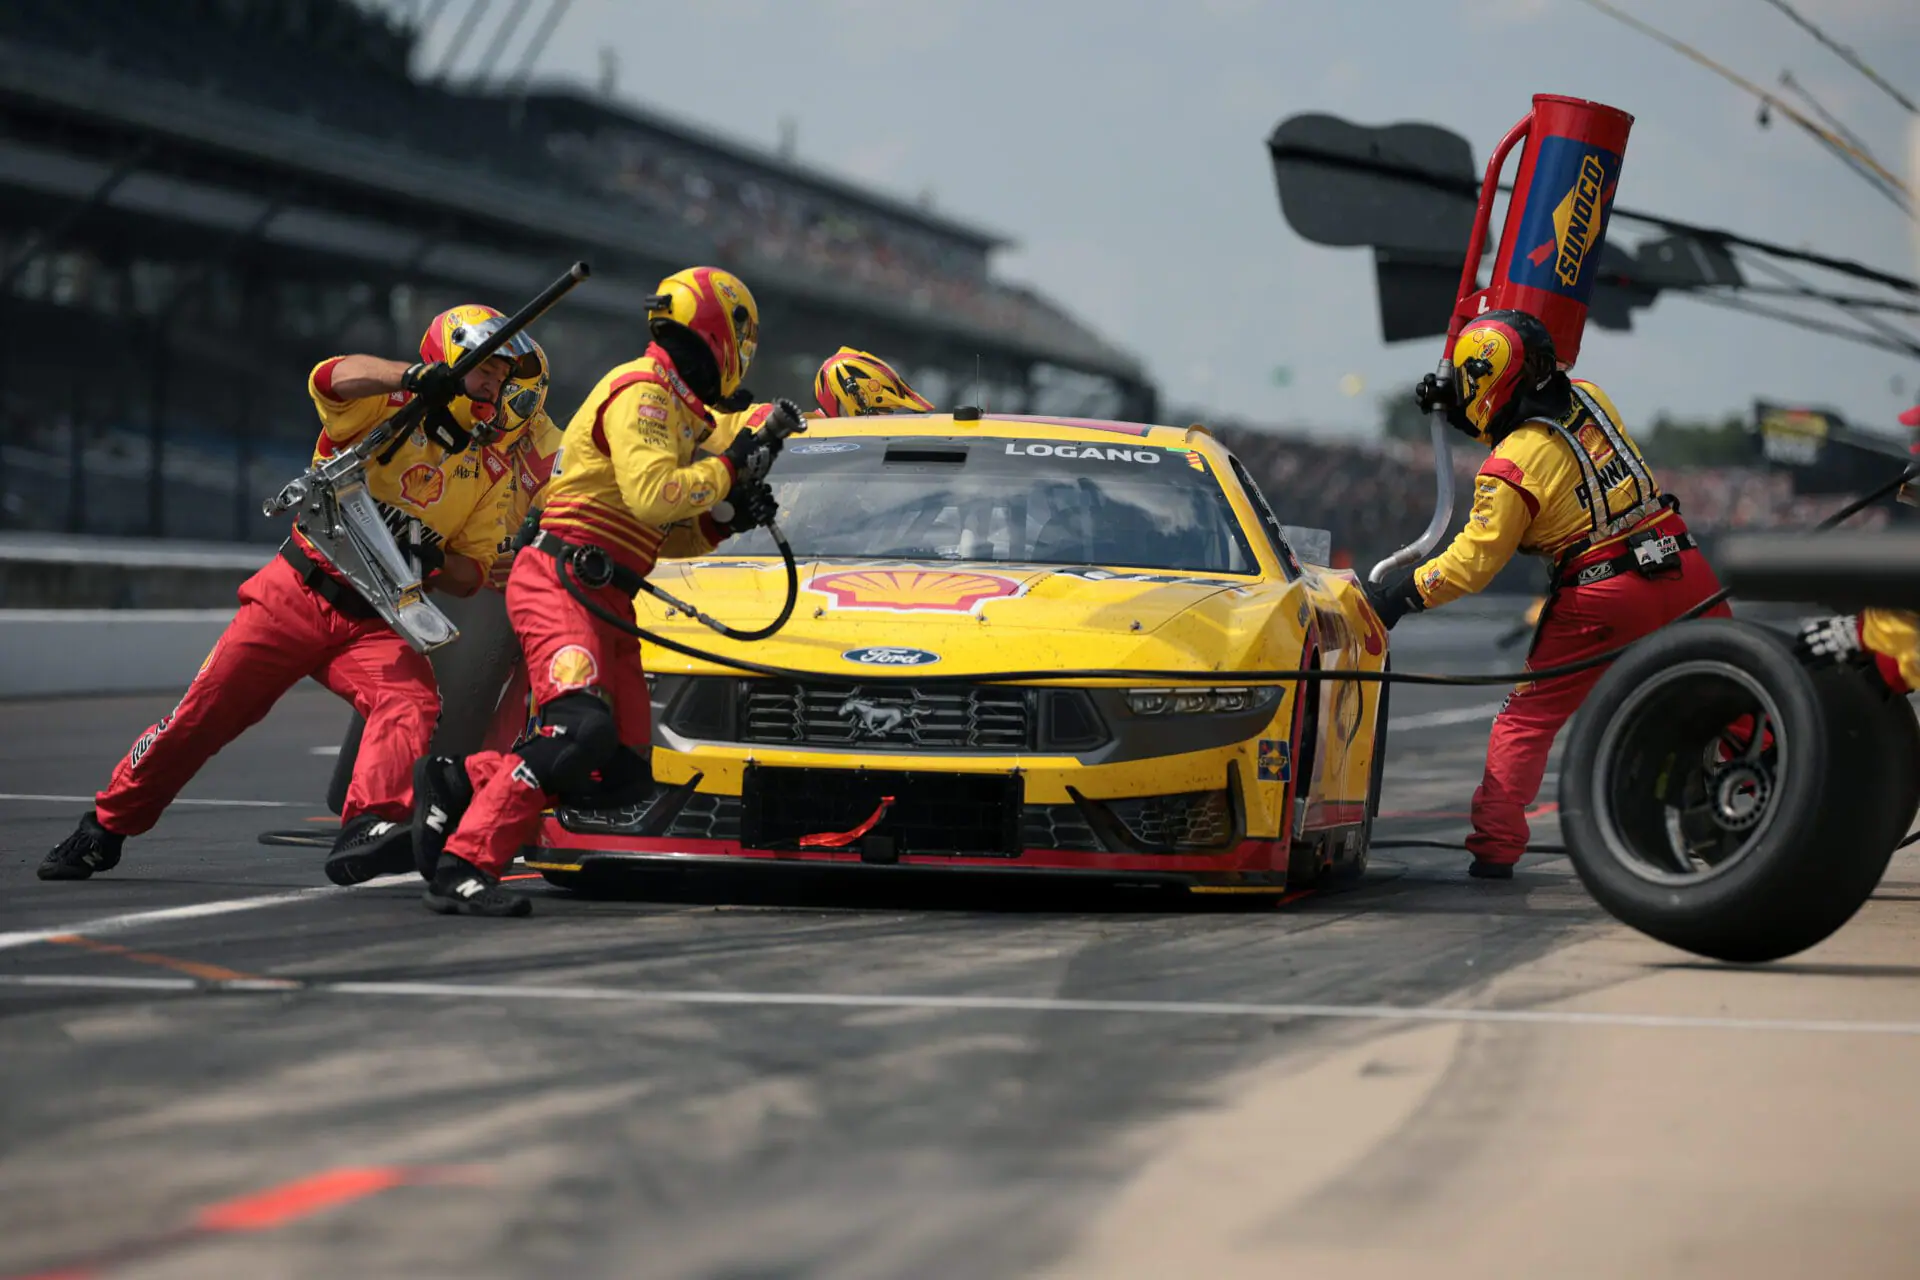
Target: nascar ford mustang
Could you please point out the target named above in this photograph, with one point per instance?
(934, 545)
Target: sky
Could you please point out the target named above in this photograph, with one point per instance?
(1121, 144)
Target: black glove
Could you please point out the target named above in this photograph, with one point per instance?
(1435, 392)
(430, 556)
(785, 420)
(748, 506)
(1833, 641)
(1393, 599)
(751, 455)
(436, 386)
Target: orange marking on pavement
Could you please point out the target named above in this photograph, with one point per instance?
(1292, 895)
(192, 968)
(1544, 810)
(525, 875)
(301, 1198)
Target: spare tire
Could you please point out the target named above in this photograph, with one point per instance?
(1717, 796)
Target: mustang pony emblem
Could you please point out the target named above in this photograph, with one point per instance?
(874, 718)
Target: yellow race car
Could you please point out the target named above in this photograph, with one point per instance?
(936, 546)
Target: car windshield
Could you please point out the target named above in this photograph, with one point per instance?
(994, 498)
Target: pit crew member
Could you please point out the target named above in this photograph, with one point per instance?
(856, 384)
(298, 618)
(630, 485)
(1885, 641)
(1566, 482)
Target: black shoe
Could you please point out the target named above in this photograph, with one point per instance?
(370, 846)
(441, 794)
(459, 888)
(90, 848)
(1484, 870)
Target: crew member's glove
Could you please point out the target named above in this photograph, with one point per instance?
(434, 383)
(436, 386)
(750, 456)
(1435, 392)
(749, 506)
(1393, 599)
(1831, 641)
(430, 558)
(502, 570)
(785, 420)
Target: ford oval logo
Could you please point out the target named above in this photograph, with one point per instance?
(823, 446)
(888, 656)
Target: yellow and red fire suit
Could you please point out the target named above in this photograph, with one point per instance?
(1536, 494)
(297, 619)
(631, 479)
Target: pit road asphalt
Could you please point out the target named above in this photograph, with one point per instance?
(212, 1063)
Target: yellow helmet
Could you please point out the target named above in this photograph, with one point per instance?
(525, 394)
(458, 330)
(715, 307)
(853, 384)
(1497, 359)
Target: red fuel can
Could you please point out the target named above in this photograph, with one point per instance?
(1556, 218)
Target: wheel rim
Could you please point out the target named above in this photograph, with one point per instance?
(1686, 778)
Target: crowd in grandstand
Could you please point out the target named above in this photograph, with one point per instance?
(1374, 497)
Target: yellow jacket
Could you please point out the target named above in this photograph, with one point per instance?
(1531, 496)
(630, 476)
(1894, 637)
(452, 497)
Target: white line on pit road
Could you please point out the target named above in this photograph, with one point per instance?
(206, 804)
(1434, 719)
(333, 750)
(192, 911)
(994, 1004)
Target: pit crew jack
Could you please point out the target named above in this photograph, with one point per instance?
(298, 619)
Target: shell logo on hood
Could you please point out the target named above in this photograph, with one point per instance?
(914, 590)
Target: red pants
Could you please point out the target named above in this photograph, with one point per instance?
(282, 634)
(1579, 622)
(567, 650)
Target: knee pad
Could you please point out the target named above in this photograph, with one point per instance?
(575, 737)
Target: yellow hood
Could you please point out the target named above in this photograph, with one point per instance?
(994, 617)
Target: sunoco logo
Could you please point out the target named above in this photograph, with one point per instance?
(1574, 220)
(1564, 234)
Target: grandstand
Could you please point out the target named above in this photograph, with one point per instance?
(202, 198)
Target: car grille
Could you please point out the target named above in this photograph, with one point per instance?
(1057, 826)
(889, 717)
(1190, 820)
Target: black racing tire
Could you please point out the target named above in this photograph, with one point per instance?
(1743, 848)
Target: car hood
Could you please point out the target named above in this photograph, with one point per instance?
(995, 617)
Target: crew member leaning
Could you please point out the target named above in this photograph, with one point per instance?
(631, 484)
(1565, 482)
(298, 618)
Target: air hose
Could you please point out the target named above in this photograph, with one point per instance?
(674, 602)
(579, 591)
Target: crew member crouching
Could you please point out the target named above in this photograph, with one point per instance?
(298, 618)
(1566, 482)
(630, 485)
